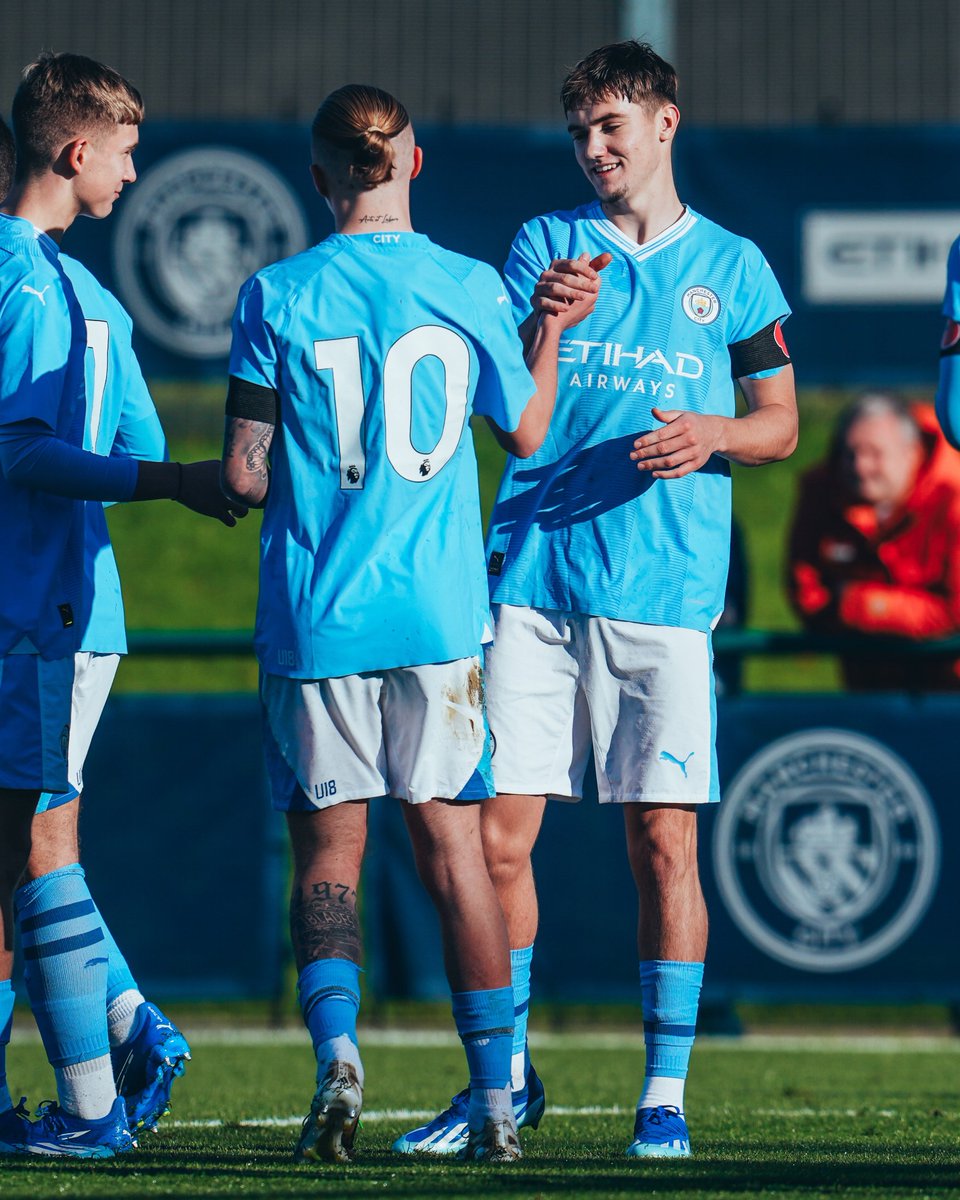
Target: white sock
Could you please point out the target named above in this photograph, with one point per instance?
(660, 1089)
(341, 1049)
(488, 1102)
(518, 1071)
(121, 1012)
(86, 1089)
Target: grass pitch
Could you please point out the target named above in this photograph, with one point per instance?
(769, 1116)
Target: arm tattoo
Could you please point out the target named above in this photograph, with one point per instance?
(246, 473)
(324, 923)
(257, 454)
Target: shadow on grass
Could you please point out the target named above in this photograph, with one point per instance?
(842, 1167)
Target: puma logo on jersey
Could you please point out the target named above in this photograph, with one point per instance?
(503, 299)
(666, 756)
(33, 292)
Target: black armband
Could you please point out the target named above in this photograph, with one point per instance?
(765, 351)
(251, 402)
(950, 342)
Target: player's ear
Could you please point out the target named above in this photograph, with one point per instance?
(669, 119)
(417, 162)
(74, 155)
(320, 180)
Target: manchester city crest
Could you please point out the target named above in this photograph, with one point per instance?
(194, 228)
(701, 304)
(826, 850)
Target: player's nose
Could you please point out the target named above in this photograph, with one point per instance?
(596, 146)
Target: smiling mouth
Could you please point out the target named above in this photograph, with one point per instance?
(604, 168)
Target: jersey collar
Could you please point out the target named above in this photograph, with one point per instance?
(22, 229)
(606, 228)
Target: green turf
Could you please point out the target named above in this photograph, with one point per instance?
(183, 572)
(765, 1121)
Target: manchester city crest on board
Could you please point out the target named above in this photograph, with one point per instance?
(701, 304)
(197, 225)
(826, 850)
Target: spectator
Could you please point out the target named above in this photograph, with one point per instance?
(875, 543)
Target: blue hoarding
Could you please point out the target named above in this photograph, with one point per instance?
(831, 868)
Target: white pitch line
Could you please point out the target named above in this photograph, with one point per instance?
(429, 1038)
(425, 1039)
(375, 1115)
(553, 1110)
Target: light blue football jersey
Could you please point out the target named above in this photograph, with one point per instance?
(120, 420)
(380, 347)
(577, 527)
(42, 341)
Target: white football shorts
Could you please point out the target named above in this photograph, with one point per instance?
(417, 733)
(93, 678)
(640, 697)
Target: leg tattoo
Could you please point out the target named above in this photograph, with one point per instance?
(324, 923)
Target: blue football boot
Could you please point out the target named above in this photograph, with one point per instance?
(60, 1135)
(660, 1132)
(448, 1133)
(15, 1126)
(146, 1064)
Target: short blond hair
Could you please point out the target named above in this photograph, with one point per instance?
(61, 97)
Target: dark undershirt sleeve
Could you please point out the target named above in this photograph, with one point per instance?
(252, 402)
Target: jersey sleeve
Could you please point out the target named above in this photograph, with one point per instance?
(504, 385)
(139, 434)
(141, 438)
(529, 257)
(253, 352)
(759, 303)
(948, 388)
(35, 331)
(951, 295)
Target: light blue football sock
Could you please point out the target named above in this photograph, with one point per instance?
(7, 998)
(329, 993)
(65, 965)
(119, 976)
(520, 961)
(484, 1021)
(671, 997)
(123, 995)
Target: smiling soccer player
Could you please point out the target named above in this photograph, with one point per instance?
(608, 549)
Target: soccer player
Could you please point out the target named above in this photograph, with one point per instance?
(148, 1052)
(608, 550)
(76, 123)
(948, 393)
(356, 366)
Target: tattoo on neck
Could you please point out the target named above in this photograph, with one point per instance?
(378, 219)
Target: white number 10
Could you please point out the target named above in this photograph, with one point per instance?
(342, 357)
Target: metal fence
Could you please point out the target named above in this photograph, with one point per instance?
(741, 62)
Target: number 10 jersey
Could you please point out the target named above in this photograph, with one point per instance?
(379, 346)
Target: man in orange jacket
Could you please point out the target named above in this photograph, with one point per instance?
(875, 542)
